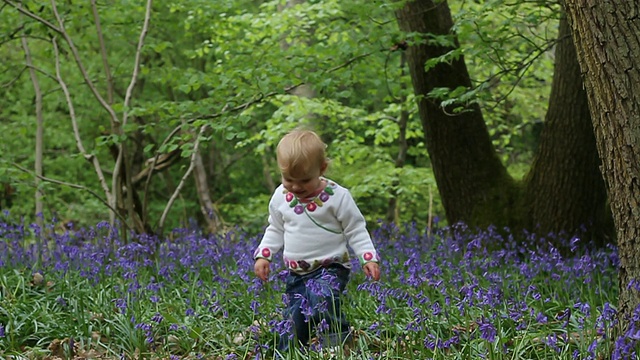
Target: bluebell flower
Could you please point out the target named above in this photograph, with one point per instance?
(322, 326)
(488, 332)
(541, 318)
(592, 348)
(254, 306)
(157, 318)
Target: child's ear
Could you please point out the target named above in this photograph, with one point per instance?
(323, 167)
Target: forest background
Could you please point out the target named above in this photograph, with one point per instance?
(154, 115)
(205, 96)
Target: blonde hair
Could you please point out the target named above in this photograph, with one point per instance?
(299, 152)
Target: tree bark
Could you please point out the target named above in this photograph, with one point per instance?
(563, 191)
(207, 208)
(607, 38)
(472, 181)
(39, 134)
(566, 166)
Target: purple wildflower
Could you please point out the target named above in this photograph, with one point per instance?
(487, 330)
(254, 306)
(157, 318)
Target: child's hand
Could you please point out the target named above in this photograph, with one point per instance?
(372, 270)
(261, 268)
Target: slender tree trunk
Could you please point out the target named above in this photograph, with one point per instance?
(392, 206)
(474, 185)
(607, 38)
(209, 212)
(39, 134)
(266, 172)
(567, 161)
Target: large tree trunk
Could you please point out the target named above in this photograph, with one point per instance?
(474, 185)
(566, 166)
(607, 38)
(563, 191)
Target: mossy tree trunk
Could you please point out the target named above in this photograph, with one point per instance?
(607, 38)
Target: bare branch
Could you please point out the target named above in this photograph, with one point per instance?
(136, 65)
(162, 162)
(16, 78)
(348, 62)
(85, 75)
(225, 110)
(74, 123)
(74, 186)
(122, 158)
(183, 180)
(12, 36)
(18, 6)
(103, 52)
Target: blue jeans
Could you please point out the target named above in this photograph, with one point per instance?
(314, 307)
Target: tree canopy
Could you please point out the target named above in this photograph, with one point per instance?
(160, 95)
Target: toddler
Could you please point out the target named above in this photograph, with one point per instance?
(313, 219)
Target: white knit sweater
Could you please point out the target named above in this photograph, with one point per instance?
(316, 233)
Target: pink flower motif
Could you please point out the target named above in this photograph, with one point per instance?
(293, 264)
(266, 252)
(312, 206)
(367, 256)
(289, 197)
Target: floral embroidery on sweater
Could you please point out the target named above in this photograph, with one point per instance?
(311, 206)
(303, 266)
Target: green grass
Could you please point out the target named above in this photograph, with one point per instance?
(195, 297)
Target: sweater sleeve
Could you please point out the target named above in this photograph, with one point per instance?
(273, 238)
(355, 230)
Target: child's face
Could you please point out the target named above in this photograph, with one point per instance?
(304, 185)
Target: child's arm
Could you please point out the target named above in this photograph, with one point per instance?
(355, 231)
(271, 243)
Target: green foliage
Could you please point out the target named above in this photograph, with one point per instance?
(237, 69)
(508, 49)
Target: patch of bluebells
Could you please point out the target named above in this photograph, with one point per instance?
(439, 290)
